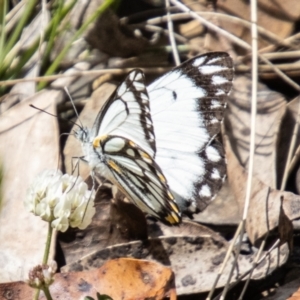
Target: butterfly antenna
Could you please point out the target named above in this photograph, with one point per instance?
(76, 166)
(74, 107)
(55, 116)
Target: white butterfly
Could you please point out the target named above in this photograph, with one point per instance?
(157, 143)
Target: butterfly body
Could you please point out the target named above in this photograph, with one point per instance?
(157, 144)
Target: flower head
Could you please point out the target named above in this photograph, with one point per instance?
(42, 275)
(63, 200)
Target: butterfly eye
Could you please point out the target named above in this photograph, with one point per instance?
(82, 134)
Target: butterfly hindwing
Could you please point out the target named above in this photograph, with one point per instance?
(138, 176)
(187, 108)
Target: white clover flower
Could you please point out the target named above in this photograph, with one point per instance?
(63, 200)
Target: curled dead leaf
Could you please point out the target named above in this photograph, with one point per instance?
(265, 204)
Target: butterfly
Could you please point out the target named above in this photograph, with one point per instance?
(158, 144)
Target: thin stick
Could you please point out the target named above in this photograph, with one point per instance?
(257, 257)
(253, 128)
(158, 70)
(294, 160)
(283, 55)
(263, 68)
(253, 105)
(171, 35)
(267, 253)
(238, 249)
(154, 28)
(228, 253)
(289, 40)
(255, 264)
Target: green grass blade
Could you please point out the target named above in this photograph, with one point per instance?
(18, 30)
(53, 31)
(7, 72)
(3, 11)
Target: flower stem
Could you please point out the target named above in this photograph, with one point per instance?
(48, 244)
(36, 294)
(45, 260)
(47, 293)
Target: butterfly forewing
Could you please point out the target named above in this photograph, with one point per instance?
(127, 113)
(187, 107)
(138, 176)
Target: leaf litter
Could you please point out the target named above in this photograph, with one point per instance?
(194, 252)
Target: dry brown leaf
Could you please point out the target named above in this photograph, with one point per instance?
(22, 90)
(127, 278)
(223, 210)
(191, 29)
(186, 228)
(286, 290)
(265, 203)
(28, 145)
(115, 38)
(270, 109)
(16, 290)
(195, 260)
(129, 220)
(285, 228)
(295, 296)
(123, 278)
(274, 16)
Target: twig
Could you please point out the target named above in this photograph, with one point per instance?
(288, 40)
(171, 35)
(263, 68)
(158, 70)
(253, 105)
(154, 28)
(283, 55)
(228, 253)
(254, 36)
(267, 253)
